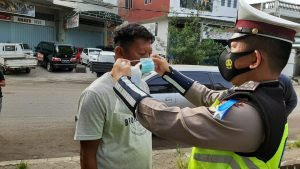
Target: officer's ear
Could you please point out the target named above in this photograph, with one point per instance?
(256, 59)
(118, 52)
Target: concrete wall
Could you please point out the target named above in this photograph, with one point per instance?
(161, 38)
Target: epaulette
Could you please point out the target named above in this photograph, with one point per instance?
(248, 86)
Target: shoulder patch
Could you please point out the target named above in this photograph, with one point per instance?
(223, 109)
(248, 86)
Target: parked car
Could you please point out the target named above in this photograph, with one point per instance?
(89, 55)
(56, 56)
(103, 63)
(12, 57)
(26, 49)
(206, 75)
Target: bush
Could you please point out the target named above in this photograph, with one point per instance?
(185, 46)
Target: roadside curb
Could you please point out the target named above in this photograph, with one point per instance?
(39, 161)
(74, 158)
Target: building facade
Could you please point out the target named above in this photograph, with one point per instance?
(82, 24)
(290, 10)
(215, 15)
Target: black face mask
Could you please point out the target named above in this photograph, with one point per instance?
(226, 64)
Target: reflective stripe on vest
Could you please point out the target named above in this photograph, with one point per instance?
(224, 159)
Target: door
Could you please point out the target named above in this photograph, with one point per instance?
(199, 76)
(219, 82)
(31, 34)
(82, 38)
(161, 90)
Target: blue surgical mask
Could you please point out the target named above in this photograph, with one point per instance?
(147, 65)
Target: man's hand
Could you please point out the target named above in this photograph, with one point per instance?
(161, 65)
(121, 68)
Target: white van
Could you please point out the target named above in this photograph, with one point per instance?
(12, 57)
(104, 63)
(89, 55)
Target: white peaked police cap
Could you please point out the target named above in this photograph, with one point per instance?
(251, 21)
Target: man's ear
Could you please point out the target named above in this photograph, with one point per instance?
(257, 58)
(118, 52)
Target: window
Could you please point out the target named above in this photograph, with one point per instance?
(66, 50)
(234, 3)
(10, 48)
(158, 85)
(183, 3)
(148, 1)
(201, 77)
(223, 2)
(25, 46)
(128, 4)
(219, 82)
(85, 51)
(229, 3)
(156, 28)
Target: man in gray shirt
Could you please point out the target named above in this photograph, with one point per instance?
(110, 136)
(290, 96)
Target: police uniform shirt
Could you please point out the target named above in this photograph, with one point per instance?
(240, 131)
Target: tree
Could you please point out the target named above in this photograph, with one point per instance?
(185, 46)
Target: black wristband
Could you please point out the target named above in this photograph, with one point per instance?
(181, 82)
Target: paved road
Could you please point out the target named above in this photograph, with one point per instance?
(37, 120)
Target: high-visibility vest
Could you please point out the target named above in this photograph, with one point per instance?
(215, 159)
(267, 98)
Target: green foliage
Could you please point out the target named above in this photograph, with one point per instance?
(292, 145)
(182, 161)
(185, 46)
(22, 165)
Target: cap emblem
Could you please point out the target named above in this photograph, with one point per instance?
(254, 31)
(228, 64)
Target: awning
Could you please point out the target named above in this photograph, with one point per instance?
(100, 10)
(103, 15)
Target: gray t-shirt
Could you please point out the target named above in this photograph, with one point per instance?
(125, 143)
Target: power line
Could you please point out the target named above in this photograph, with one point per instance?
(147, 10)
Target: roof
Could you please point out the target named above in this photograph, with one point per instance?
(297, 2)
(108, 52)
(93, 48)
(196, 68)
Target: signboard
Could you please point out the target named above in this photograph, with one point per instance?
(29, 21)
(17, 7)
(5, 17)
(73, 22)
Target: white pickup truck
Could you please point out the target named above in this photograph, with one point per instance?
(12, 57)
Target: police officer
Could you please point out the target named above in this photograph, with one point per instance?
(241, 128)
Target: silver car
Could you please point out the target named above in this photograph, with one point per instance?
(206, 75)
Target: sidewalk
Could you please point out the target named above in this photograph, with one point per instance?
(162, 159)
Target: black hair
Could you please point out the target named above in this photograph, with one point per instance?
(126, 35)
(278, 51)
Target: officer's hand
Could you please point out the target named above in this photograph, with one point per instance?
(161, 65)
(121, 68)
